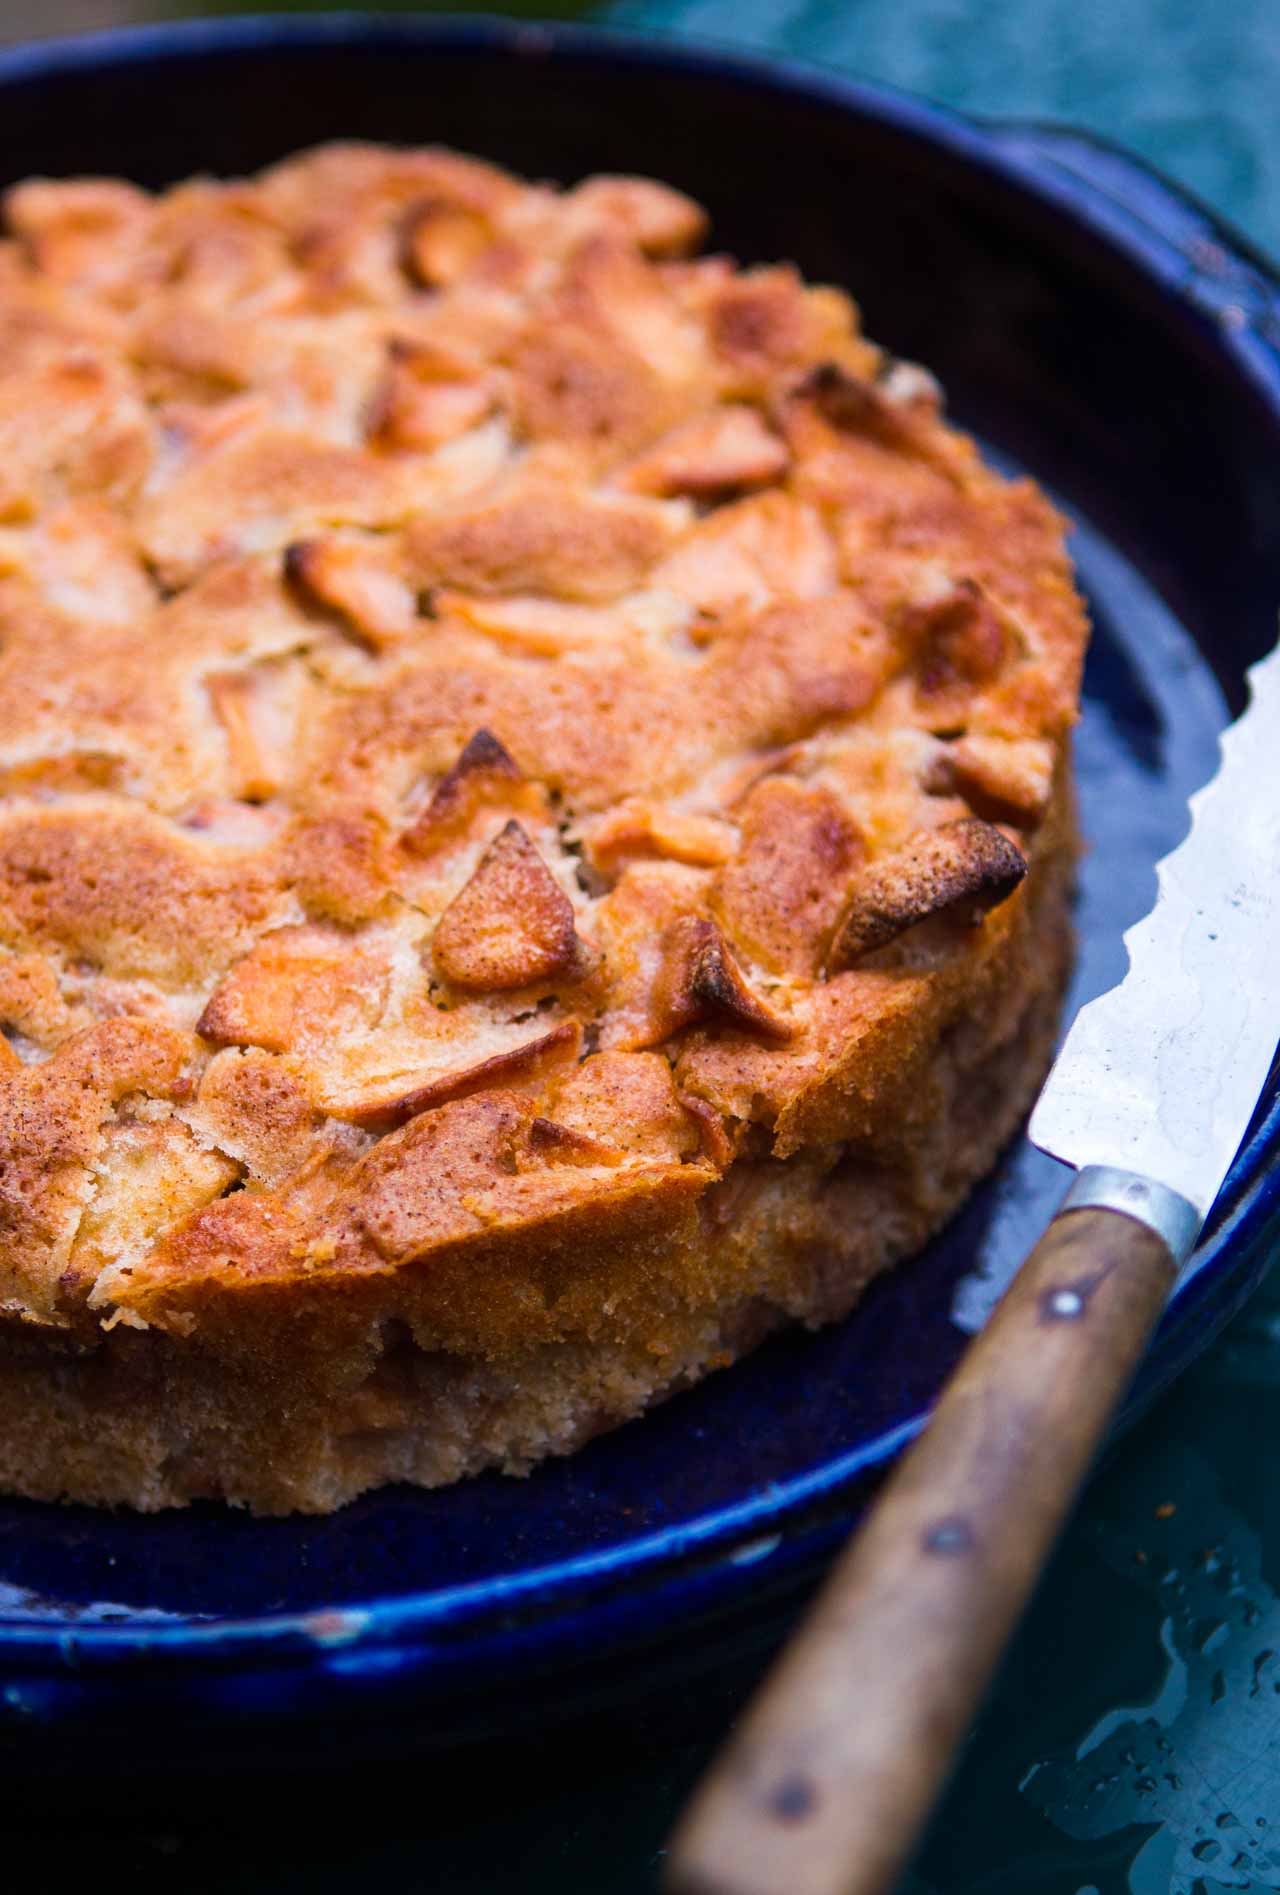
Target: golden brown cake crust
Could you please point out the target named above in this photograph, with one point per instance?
(534, 786)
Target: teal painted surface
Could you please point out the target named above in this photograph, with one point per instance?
(1191, 85)
(1133, 1744)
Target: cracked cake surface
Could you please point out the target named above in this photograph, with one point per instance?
(535, 819)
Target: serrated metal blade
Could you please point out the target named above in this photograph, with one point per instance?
(1160, 1076)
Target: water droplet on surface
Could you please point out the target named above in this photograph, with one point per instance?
(1227, 1821)
(1207, 1851)
(1145, 1785)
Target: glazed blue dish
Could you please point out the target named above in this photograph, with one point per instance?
(1091, 325)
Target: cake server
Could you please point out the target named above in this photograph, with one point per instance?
(827, 1782)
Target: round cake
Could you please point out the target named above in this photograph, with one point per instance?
(535, 834)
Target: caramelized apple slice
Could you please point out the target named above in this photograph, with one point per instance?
(963, 868)
(960, 640)
(1002, 778)
(541, 538)
(512, 924)
(297, 985)
(744, 556)
(702, 985)
(659, 221)
(439, 241)
(253, 774)
(639, 830)
(781, 895)
(484, 774)
(358, 581)
(381, 1105)
(424, 399)
(722, 452)
(260, 709)
(558, 1144)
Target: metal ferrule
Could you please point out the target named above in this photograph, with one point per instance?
(1170, 1216)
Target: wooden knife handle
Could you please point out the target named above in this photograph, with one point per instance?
(826, 1784)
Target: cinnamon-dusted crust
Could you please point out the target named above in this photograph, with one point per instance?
(535, 820)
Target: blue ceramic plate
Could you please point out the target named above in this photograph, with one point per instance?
(1090, 324)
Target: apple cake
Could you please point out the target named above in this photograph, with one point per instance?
(536, 829)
